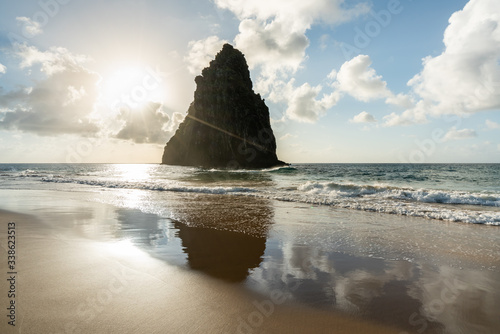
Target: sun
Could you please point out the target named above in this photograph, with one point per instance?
(132, 87)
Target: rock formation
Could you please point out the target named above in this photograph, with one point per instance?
(227, 124)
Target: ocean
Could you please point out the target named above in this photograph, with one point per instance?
(415, 246)
(464, 193)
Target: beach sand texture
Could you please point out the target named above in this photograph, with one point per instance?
(67, 284)
(242, 265)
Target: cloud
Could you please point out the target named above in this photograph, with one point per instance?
(304, 102)
(3, 69)
(415, 115)
(359, 80)
(303, 105)
(363, 117)
(62, 103)
(68, 101)
(273, 33)
(176, 119)
(332, 75)
(30, 28)
(145, 125)
(465, 77)
(271, 45)
(52, 108)
(201, 52)
(300, 12)
(454, 134)
(74, 95)
(287, 136)
(55, 60)
(492, 125)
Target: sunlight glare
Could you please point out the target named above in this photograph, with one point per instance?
(132, 87)
(126, 249)
(134, 172)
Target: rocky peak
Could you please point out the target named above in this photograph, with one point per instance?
(227, 125)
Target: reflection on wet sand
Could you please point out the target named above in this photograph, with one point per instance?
(392, 271)
(224, 238)
(139, 226)
(222, 254)
(416, 297)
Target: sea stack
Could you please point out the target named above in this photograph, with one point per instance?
(227, 124)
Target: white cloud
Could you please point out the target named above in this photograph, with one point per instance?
(46, 111)
(361, 81)
(74, 95)
(332, 75)
(55, 60)
(271, 45)
(304, 106)
(465, 78)
(492, 125)
(201, 52)
(272, 35)
(174, 122)
(401, 100)
(415, 115)
(3, 69)
(454, 134)
(299, 13)
(363, 117)
(67, 100)
(62, 103)
(30, 28)
(304, 102)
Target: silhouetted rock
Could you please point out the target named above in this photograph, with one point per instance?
(227, 125)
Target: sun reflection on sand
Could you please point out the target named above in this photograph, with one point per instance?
(125, 249)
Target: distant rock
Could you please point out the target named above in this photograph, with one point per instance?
(227, 124)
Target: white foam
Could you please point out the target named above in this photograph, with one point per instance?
(374, 198)
(151, 186)
(337, 190)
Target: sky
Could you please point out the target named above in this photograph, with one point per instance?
(346, 81)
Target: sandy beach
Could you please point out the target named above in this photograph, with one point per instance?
(84, 266)
(250, 167)
(68, 284)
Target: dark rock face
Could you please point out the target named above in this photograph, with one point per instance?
(227, 125)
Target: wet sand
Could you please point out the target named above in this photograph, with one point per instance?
(243, 265)
(68, 284)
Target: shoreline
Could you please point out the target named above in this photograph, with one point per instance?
(299, 267)
(68, 284)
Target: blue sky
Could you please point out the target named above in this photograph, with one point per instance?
(345, 81)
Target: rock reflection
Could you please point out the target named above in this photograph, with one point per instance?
(222, 254)
(224, 237)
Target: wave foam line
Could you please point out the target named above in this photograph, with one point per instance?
(414, 209)
(338, 190)
(153, 186)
